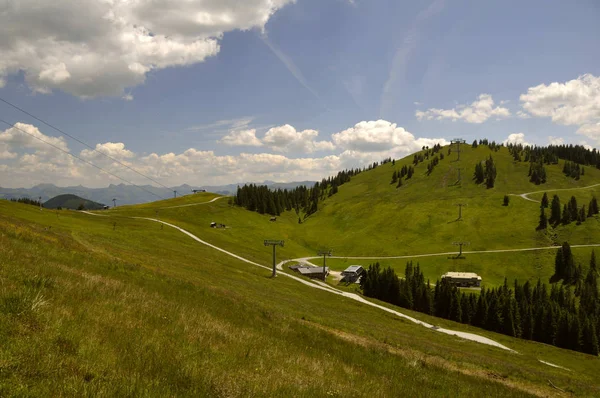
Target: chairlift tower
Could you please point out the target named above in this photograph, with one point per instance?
(325, 254)
(460, 245)
(114, 202)
(459, 176)
(458, 141)
(274, 243)
(460, 206)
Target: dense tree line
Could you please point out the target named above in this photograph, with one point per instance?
(573, 170)
(486, 172)
(432, 163)
(537, 173)
(569, 212)
(575, 156)
(405, 171)
(560, 315)
(27, 201)
(305, 200)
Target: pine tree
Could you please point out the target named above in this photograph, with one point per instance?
(490, 172)
(399, 183)
(506, 200)
(394, 177)
(508, 319)
(479, 175)
(555, 210)
(545, 201)
(543, 224)
(566, 215)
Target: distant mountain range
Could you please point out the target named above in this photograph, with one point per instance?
(129, 194)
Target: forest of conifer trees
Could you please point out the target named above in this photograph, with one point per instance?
(566, 315)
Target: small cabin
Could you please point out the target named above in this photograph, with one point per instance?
(463, 279)
(311, 272)
(352, 273)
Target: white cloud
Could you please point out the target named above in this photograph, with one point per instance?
(523, 115)
(555, 140)
(590, 130)
(517, 139)
(241, 138)
(478, 112)
(100, 48)
(115, 150)
(285, 138)
(26, 136)
(575, 102)
(380, 135)
(27, 161)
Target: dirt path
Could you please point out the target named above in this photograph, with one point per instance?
(92, 214)
(306, 260)
(526, 195)
(324, 287)
(193, 204)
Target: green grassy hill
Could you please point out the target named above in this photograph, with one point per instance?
(73, 202)
(112, 305)
(371, 217)
(143, 310)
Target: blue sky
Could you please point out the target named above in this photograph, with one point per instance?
(234, 98)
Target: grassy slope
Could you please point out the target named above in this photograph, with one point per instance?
(370, 217)
(146, 311)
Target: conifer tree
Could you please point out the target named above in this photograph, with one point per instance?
(543, 224)
(555, 210)
(544, 203)
(490, 172)
(479, 175)
(566, 215)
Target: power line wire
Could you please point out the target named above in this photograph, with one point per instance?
(82, 143)
(79, 158)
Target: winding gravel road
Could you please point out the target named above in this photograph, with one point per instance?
(324, 287)
(526, 195)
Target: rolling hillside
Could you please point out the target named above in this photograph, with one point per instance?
(117, 305)
(72, 202)
(371, 217)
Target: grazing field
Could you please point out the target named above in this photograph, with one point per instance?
(112, 305)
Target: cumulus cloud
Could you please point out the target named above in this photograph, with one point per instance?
(380, 135)
(286, 138)
(115, 150)
(575, 102)
(27, 136)
(555, 140)
(523, 115)
(590, 130)
(26, 160)
(109, 46)
(478, 112)
(241, 138)
(516, 139)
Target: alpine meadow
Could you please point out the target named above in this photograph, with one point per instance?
(118, 302)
